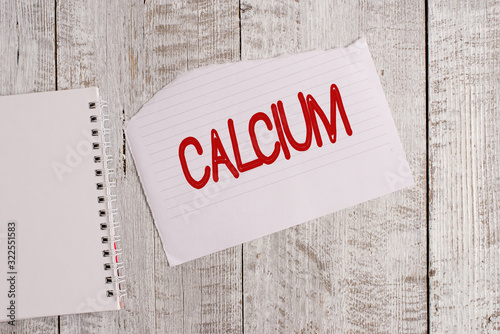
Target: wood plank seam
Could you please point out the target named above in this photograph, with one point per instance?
(427, 105)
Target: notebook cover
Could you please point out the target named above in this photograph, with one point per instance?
(48, 192)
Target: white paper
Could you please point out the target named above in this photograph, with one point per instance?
(48, 189)
(311, 183)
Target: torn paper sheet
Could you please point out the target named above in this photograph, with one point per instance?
(230, 153)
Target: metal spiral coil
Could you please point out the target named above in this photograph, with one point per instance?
(114, 269)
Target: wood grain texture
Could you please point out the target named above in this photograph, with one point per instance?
(362, 270)
(27, 61)
(359, 270)
(464, 166)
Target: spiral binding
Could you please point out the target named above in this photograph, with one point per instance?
(115, 277)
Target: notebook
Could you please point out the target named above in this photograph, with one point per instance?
(230, 153)
(58, 236)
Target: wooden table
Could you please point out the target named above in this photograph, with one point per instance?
(426, 258)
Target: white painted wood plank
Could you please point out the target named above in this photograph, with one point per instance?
(212, 284)
(362, 269)
(27, 65)
(27, 45)
(464, 170)
(166, 48)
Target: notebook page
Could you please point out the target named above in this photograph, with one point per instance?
(48, 188)
(214, 202)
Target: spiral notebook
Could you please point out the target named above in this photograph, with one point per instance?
(58, 237)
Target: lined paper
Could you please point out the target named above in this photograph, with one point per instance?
(194, 222)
